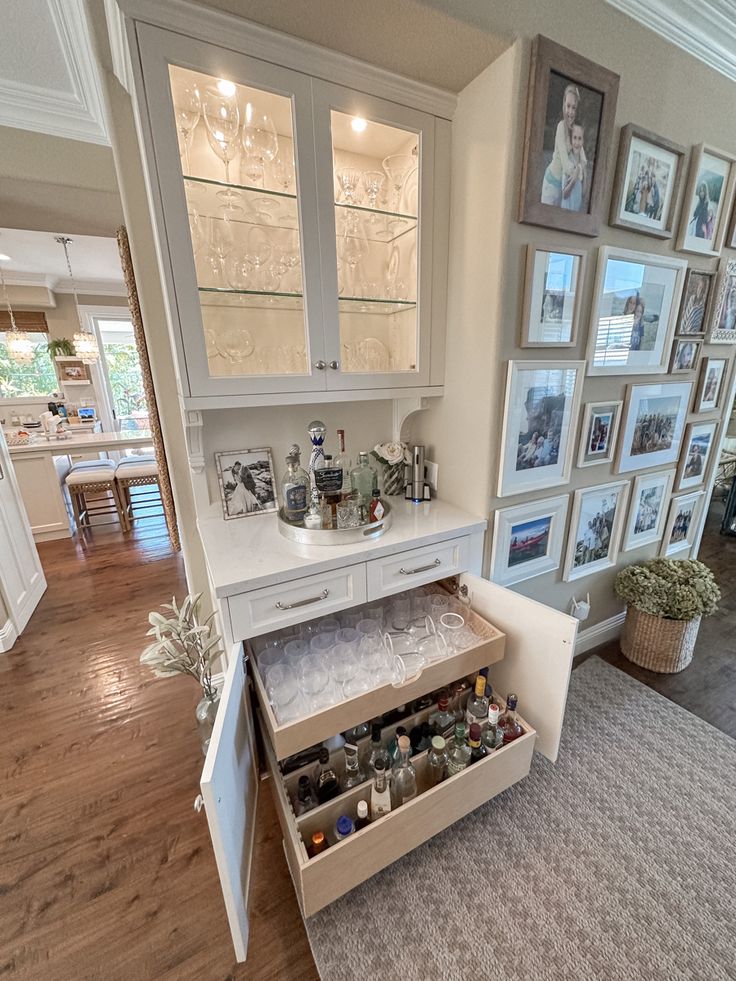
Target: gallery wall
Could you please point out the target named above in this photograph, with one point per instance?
(662, 89)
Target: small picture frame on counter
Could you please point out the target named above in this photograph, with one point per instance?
(247, 482)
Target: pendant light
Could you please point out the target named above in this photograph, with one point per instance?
(85, 342)
(19, 344)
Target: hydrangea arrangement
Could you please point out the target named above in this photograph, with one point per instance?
(674, 589)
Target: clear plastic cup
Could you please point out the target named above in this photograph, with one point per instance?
(400, 612)
(344, 665)
(368, 627)
(439, 604)
(328, 625)
(321, 643)
(452, 626)
(348, 636)
(267, 659)
(283, 693)
(433, 647)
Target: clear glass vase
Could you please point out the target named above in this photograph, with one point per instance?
(205, 713)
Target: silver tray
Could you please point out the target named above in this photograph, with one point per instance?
(336, 536)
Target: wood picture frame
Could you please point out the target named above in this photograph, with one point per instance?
(711, 385)
(703, 226)
(528, 540)
(654, 425)
(696, 292)
(548, 150)
(553, 282)
(645, 162)
(603, 418)
(683, 511)
(722, 314)
(650, 497)
(697, 451)
(685, 354)
(596, 524)
(247, 482)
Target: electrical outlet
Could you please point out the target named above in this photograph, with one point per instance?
(433, 472)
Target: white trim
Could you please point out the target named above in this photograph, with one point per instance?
(8, 636)
(681, 23)
(121, 66)
(93, 287)
(599, 633)
(234, 401)
(252, 39)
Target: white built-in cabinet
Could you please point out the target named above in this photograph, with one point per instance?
(302, 225)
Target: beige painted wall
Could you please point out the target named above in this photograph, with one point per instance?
(662, 89)
(3, 612)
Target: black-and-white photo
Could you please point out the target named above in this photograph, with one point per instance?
(247, 483)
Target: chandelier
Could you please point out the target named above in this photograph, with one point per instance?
(85, 342)
(19, 344)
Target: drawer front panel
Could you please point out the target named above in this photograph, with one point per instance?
(273, 607)
(417, 566)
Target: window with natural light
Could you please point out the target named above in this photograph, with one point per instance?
(124, 373)
(25, 380)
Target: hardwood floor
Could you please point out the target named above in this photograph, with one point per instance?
(106, 871)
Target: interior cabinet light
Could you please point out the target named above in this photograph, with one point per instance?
(224, 87)
(358, 124)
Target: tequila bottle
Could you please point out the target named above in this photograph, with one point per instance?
(403, 777)
(508, 723)
(459, 751)
(438, 761)
(353, 774)
(380, 793)
(477, 708)
(295, 489)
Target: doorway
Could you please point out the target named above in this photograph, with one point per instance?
(123, 396)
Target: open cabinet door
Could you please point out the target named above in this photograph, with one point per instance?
(540, 643)
(229, 788)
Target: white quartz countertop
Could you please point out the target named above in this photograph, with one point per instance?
(83, 442)
(249, 553)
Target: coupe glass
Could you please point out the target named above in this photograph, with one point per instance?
(188, 110)
(348, 179)
(373, 181)
(398, 167)
(222, 119)
(260, 142)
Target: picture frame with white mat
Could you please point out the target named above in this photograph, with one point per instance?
(553, 289)
(682, 525)
(596, 525)
(650, 495)
(528, 540)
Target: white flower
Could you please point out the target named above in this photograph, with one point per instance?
(391, 452)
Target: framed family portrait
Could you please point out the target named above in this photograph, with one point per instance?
(595, 529)
(540, 417)
(723, 314)
(647, 182)
(695, 296)
(712, 378)
(528, 539)
(698, 446)
(635, 303)
(708, 197)
(649, 498)
(552, 297)
(685, 354)
(569, 131)
(679, 532)
(247, 483)
(653, 427)
(598, 432)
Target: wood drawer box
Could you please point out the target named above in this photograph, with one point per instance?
(417, 566)
(282, 605)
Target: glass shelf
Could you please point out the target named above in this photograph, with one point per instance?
(254, 206)
(375, 211)
(219, 185)
(250, 299)
(377, 307)
(374, 225)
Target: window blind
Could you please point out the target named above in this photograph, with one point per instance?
(30, 321)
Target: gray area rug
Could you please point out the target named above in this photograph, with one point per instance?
(618, 862)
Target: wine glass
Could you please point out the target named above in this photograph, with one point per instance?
(283, 172)
(373, 181)
(222, 119)
(188, 110)
(238, 270)
(258, 251)
(260, 142)
(353, 245)
(348, 179)
(398, 166)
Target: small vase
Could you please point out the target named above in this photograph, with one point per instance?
(205, 713)
(394, 480)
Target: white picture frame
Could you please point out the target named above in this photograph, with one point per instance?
(593, 542)
(711, 384)
(697, 451)
(552, 296)
(247, 482)
(713, 169)
(685, 510)
(722, 319)
(598, 432)
(650, 496)
(540, 420)
(636, 301)
(528, 540)
(685, 354)
(653, 426)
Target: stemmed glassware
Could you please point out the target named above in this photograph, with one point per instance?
(188, 110)
(282, 169)
(258, 252)
(353, 244)
(260, 142)
(398, 166)
(348, 179)
(222, 119)
(373, 181)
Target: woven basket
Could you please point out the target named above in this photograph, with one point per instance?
(657, 644)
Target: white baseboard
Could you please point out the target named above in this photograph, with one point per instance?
(600, 633)
(8, 636)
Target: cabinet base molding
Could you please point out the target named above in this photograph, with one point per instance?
(599, 633)
(198, 402)
(8, 636)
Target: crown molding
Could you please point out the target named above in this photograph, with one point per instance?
(257, 41)
(706, 29)
(119, 50)
(92, 287)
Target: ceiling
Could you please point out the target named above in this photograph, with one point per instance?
(37, 260)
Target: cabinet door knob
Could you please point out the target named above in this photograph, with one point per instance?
(334, 365)
(320, 365)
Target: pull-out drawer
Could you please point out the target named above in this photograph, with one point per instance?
(285, 604)
(417, 566)
(345, 864)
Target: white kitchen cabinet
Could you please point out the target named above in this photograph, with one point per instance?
(301, 227)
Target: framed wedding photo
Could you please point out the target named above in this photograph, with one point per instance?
(552, 297)
(635, 302)
(649, 498)
(600, 421)
(540, 419)
(713, 372)
(708, 197)
(247, 483)
(700, 439)
(654, 423)
(595, 529)
(723, 315)
(695, 296)
(528, 540)
(685, 354)
(570, 116)
(679, 532)
(647, 182)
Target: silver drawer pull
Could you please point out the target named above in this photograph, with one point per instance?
(421, 568)
(312, 599)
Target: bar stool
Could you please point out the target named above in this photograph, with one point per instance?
(94, 477)
(138, 471)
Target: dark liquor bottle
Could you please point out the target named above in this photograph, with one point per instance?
(508, 723)
(305, 799)
(326, 782)
(362, 819)
(317, 844)
(477, 749)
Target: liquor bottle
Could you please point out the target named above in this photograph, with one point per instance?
(508, 723)
(364, 480)
(325, 781)
(328, 479)
(376, 510)
(343, 827)
(295, 489)
(316, 432)
(477, 749)
(492, 734)
(305, 799)
(393, 746)
(458, 752)
(317, 844)
(456, 693)
(377, 750)
(353, 774)
(362, 819)
(313, 517)
(403, 776)
(477, 708)
(325, 510)
(438, 761)
(443, 720)
(380, 793)
(343, 462)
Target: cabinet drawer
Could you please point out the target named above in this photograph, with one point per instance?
(347, 863)
(292, 602)
(417, 566)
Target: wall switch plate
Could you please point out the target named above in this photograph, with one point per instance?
(432, 473)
